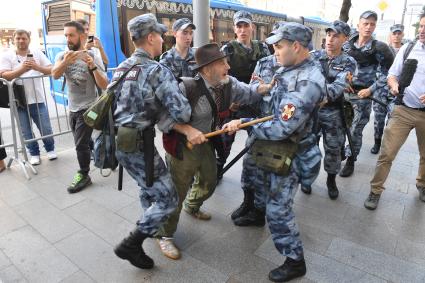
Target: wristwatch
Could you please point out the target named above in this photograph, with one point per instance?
(94, 69)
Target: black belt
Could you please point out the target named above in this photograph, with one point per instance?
(419, 109)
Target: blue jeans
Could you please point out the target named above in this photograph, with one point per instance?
(40, 116)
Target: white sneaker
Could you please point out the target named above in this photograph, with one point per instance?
(51, 155)
(35, 160)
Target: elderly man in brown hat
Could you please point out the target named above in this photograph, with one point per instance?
(210, 93)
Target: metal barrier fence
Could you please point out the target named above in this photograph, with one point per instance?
(44, 107)
(38, 108)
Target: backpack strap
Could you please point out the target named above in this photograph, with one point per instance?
(408, 50)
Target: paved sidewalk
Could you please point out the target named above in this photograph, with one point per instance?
(48, 235)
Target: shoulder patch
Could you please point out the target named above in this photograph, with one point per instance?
(288, 111)
(133, 74)
(338, 68)
(118, 73)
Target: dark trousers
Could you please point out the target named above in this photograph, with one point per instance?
(82, 139)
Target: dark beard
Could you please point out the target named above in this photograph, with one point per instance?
(74, 47)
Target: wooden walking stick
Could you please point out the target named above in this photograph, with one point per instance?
(241, 126)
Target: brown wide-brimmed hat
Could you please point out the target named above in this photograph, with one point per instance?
(207, 54)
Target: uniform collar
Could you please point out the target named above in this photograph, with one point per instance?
(140, 52)
(302, 64)
(189, 56)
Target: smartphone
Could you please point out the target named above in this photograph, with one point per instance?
(91, 38)
(30, 56)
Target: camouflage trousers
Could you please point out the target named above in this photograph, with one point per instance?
(381, 112)
(158, 201)
(362, 109)
(276, 198)
(331, 127)
(308, 162)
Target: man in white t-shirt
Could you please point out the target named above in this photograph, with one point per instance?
(21, 62)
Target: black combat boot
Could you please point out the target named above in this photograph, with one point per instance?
(254, 217)
(246, 205)
(306, 189)
(343, 156)
(131, 249)
(289, 270)
(348, 169)
(376, 146)
(332, 188)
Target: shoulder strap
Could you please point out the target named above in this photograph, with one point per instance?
(203, 89)
(408, 50)
(192, 94)
(325, 67)
(114, 84)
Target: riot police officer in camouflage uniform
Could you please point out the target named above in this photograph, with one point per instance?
(243, 54)
(264, 71)
(396, 38)
(181, 58)
(298, 91)
(383, 94)
(243, 51)
(336, 67)
(371, 56)
(148, 93)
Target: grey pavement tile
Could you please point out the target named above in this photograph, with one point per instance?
(105, 223)
(11, 275)
(48, 220)
(35, 257)
(413, 232)
(78, 277)
(186, 269)
(9, 219)
(107, 196)
(414, 212)
(16, 193)
(221, 204)
(315, 239)
(54, 191)
(387, 213)
(222, 255)
(367, 278)
(376, 263)
(410, 251)
(186, 233)
(4, 261)
(381, 236)
(131, 212)
(130, 187)
(96, 258)
(321, 205)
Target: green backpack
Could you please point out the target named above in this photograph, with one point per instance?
(96, 115)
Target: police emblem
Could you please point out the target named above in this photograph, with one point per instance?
(288, 111)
